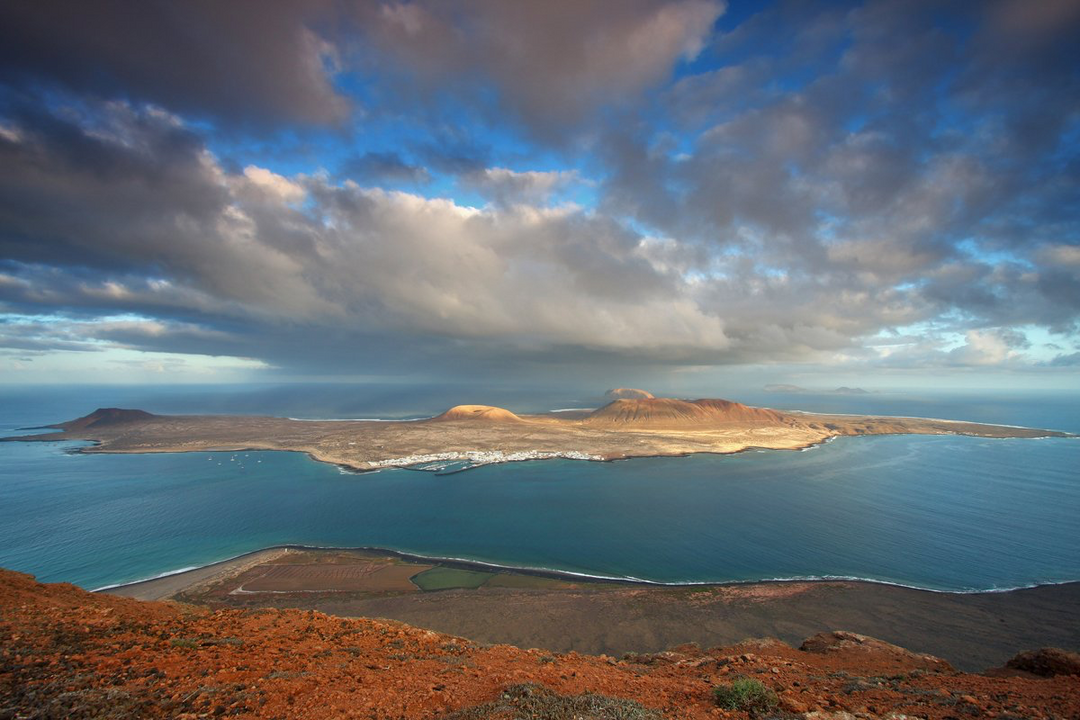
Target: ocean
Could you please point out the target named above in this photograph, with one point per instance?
(938, 512)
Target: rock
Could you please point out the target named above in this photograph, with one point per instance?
(840, 641)
(691, 649)
(792, 704)
(1046, 662)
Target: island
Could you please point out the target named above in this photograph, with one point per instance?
(635, 424)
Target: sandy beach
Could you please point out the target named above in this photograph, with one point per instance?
(190, 581)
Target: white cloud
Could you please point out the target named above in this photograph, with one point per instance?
(985, 347)
(274, 185)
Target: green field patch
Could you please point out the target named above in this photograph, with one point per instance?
(444, 578)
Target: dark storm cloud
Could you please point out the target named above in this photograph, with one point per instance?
(254, 63)
(141, 165)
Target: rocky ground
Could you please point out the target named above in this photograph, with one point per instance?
(66, 653)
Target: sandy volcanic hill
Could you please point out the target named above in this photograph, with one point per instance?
(672, 413)
(482, 413)
(66, 653)
(628, 394)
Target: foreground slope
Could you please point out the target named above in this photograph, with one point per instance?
(627, 427)
(68, 653)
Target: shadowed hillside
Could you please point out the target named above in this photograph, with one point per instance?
(103, 417)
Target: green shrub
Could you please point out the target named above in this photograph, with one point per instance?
(745, 694)
(536, 701)
(184, 643)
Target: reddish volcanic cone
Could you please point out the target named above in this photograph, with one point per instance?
(672, 413)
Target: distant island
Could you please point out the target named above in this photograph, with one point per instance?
(635, 424)
(786, 388)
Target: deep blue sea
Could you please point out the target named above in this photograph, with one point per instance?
(946, 513)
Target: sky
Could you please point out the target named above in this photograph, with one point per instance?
(882, 194)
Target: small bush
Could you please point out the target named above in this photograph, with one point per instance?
(746, 694)
(184, 643)
(536, 701)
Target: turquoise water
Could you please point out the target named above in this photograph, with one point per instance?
(949, 513)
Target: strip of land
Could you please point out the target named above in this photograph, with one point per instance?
(471, 435)
(563, 613)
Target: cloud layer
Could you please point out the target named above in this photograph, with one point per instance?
(484, 186)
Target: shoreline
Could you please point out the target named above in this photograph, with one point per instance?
(1064, 433)
(235, 564)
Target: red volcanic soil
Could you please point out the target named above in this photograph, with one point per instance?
(669, 412)
(105, 416)
(482, 413)
(68, 653)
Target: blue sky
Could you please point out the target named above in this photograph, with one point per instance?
(857, 193)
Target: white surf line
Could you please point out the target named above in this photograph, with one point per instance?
(211, 564)
(165, 574)
(386, 420)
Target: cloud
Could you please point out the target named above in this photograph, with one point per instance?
(506, 186)
(551, 66)
(987, 348)
(273, 185)
(1066, 360)
(380, 167)
(251, 63)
